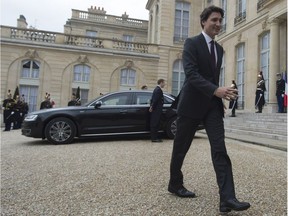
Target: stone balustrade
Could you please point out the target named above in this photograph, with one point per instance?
(124, 20)
(38, 36)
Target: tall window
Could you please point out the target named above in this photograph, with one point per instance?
(83, 95)
(222, 72)
(178, 77)
(240, 74)
(181, 27)
(128, 78)
(224, 21)
(81, 73)
(241, 7)
(30, 94)
(264, 60)
(30, 69)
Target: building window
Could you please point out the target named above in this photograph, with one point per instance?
(30, 95)
(128, 78)
(128, 38)
(240, 11)
(181, 26)
(81, 73)
(224, 21)
(222, 72)
(264, 60)
(240, 74)
(30, 69)
(83, 95)
(91, 33)
(178, 77)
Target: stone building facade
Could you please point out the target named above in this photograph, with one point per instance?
(101, 53)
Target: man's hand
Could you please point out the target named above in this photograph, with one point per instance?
(150, 109)
(226, 93)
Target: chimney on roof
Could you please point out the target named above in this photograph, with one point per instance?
(21, 22)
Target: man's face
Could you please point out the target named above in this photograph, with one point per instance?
(162, 84)
(212, 25)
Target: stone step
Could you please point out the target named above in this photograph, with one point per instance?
(270, 126)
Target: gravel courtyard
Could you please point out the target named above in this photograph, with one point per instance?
(129, 176)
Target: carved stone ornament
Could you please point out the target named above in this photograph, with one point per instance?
(83, 59)
(239, 37)
(129, 63)
(32, 54)
(264, 24)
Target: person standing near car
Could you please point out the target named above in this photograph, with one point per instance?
(201, 100)
(155, 110)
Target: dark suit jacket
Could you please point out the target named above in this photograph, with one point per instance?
(201, 80)
(157, 99)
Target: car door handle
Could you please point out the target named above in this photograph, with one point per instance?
(123, 111)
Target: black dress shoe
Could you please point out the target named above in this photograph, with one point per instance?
(157, 140)
(181, 192)
(233, 204)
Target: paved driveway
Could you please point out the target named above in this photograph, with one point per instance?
(129, 176)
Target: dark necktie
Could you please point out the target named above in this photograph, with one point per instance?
(212, 53)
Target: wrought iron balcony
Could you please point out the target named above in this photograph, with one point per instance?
(241, 17)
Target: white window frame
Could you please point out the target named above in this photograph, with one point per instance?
(178, 77)
(182, 20)
(81, 73)
(30, 93)
(265, 60)
(127, 78)
(240, 70)
(31, 72)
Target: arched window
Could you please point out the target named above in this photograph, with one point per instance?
(127, 78)
(81, 73)
(178, 77)
(30, 69)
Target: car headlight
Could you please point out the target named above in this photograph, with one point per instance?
(31, 118)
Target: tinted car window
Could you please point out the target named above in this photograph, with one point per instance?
(143, 98)
(116, 99)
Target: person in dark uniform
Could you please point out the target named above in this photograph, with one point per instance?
(200, 100)
(260, 89)
(155, 110)
(280, 91)
(233, 102)
(17, 113)
(8, 105)
(46, 104)
(74, 101)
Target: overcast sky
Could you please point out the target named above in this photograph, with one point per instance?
(51, 15)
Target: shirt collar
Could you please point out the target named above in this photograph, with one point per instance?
(207, 37)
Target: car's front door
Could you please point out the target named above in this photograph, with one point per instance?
(110, 117)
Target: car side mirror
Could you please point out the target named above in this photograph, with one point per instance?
(98, 104)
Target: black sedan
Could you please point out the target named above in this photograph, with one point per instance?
(124, 112)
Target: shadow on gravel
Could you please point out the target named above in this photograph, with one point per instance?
(83, 140)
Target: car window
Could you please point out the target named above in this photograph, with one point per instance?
(167, 100)
(143, 98)
(116, 99)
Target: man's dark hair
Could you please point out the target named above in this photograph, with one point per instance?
(160, 81)
(208, 11)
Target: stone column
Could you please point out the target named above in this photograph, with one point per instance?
(274, 66)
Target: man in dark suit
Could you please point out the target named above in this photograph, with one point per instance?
(201, 100)
(155, 110)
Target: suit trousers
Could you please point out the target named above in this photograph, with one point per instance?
(155, 119)
(214, 125)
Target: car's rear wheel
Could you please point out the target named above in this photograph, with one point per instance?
(171, 127)
(60, 131)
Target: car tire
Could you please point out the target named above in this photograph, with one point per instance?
(171, 127)
(60, 131)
